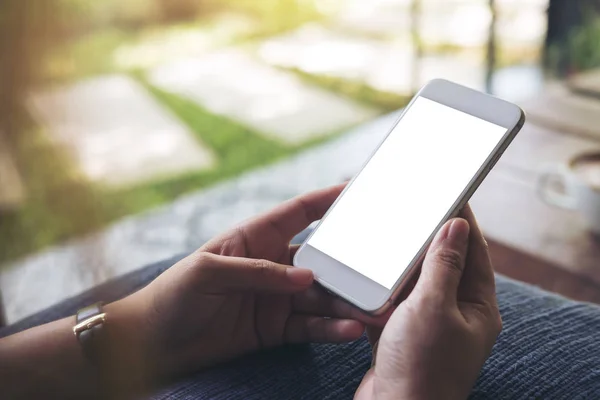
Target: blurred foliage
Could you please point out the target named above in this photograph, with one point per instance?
(356, 90)
(581, 50)
(131, 14)
(59, 204)
(84, 55)
(79, 38)
(87, 33)
(584, 45)
(275, 16)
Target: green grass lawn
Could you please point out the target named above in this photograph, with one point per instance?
(61, 204)
(355, 90)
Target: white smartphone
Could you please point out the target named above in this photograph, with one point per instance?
(374, 237)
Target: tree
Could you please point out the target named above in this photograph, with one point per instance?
(564, 18)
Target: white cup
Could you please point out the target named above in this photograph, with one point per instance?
(562, 186)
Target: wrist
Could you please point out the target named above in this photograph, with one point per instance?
(398, 386)
(129, 365)
(409, 388)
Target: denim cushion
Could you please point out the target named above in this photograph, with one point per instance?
(549, 349)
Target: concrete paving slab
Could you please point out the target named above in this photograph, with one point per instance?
(38, 281)
(118, 134)
(275, 103)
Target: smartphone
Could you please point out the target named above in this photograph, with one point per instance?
(374, 237)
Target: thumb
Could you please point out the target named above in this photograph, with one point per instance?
(366, 388)
(445, 261)
(238, 274)
(373, 334)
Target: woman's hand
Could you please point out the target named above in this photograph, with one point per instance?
(238, 294)
(436, 341)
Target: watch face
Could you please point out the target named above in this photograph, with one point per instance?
(88, 318)
(88, 312)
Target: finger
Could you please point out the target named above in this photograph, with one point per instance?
(233, 274)
(317, 302)
(373, 334)
(444, 263)
(366, 389)
(293, 250)
(410, 286)
(293, 216)
(302, 329)
(478, 284)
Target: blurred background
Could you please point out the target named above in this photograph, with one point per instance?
(109, 109)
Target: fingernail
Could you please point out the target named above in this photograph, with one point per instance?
(458, 233)
(299, 276)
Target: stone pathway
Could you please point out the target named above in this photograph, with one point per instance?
(316, 49)
(118, 134)
(41, 280)
(275, 103)
(376, 17)
(387, 65)
(121, 136)
(383, 65)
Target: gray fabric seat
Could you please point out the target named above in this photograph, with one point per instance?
(549, 349)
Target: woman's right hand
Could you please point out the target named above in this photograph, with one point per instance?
(436, 341)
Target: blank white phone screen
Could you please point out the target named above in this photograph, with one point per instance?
(407, 188)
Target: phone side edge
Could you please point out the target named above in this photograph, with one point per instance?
(462, 201)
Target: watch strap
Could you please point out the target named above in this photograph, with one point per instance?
(96, 340)
(90, 331)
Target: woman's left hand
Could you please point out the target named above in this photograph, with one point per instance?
(238, 294)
